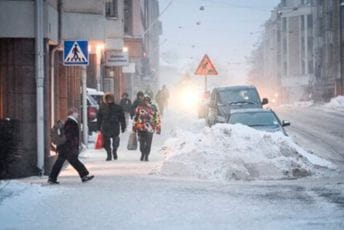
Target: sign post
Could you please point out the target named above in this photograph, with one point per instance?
(206, 68)
(75, 53)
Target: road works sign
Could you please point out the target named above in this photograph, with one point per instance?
(206, 67)
(75, 53)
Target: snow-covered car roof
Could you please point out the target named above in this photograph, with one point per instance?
(92, 91)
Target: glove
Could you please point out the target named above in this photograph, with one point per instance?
(158, 132)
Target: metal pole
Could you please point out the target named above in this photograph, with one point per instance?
(205, 83)
(341, 18)
(39, 40)
(84, 106)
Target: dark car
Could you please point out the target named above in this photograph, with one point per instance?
(260, 119)
(92, 109)
(224, 99)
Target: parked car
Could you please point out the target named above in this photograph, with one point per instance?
(95, 94)
(92, 109)
(258, 118)
(224, 99)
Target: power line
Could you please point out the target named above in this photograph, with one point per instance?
(157, 18)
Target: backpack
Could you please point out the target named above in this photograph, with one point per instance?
(57, 133)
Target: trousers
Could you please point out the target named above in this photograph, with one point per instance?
(145, 139)
(72, 158)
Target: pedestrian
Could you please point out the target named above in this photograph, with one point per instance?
(166, 95)
(149, 92)
(162, 99)
(70, 150)
(138, 100)
(110, 120)
(146, 122)
(126, 106)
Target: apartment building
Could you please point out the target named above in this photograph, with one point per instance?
(98, 21)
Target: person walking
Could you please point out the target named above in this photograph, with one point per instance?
(70, 150)
(126, 106)
(146, 122)
(162, 99)
(165, 94)
(138, 100)
(110, 120)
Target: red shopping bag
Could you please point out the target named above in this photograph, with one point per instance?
(99, 141)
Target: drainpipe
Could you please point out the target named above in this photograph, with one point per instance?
(52, 61)
(39, 69)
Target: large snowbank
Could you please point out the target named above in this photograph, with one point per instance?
(235, 152)
(336, 103)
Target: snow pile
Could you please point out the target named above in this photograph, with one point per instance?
(337, 102)
(30, 191)
(226, 152)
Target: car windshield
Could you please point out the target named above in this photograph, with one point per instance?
(91, 101)
(254, 119)
(234, 96)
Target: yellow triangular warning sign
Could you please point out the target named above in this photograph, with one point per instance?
(206, 67)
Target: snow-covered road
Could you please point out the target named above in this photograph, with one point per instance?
(129, 194)
(317, 129)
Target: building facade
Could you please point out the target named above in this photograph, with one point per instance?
(101, 22)
(302, 48)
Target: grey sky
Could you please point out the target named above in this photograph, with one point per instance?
(225, 30)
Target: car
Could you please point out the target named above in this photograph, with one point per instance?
(224, 99)
(258, 118)
(92, 110)
(95, 94)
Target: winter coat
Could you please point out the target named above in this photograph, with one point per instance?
(147, 118)
(110, 118)
(71, 131)
(126, 104)
(162, 96)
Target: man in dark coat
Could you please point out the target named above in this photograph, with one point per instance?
(126, 106)
(138, 100)
(110, 119)
(70, 150)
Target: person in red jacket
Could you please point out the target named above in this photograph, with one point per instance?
(70, 150)
(146, 122)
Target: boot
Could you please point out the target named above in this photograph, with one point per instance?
(115, 155)
(86, 178)
(146, 157)
(108, 157)
(142, 156)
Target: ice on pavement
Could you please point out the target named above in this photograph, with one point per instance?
(235, 152)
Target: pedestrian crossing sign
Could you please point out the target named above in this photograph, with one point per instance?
(75, 53)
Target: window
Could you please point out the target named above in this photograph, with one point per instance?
(111, 9)
(128, 20)
(284, 24)
(302, 22)
(284, 3)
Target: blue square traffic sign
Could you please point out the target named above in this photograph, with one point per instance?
(75, 53)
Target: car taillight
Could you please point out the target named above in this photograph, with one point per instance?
(91, 113)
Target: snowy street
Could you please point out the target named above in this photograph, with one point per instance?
(317, 129)
(165, 194)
